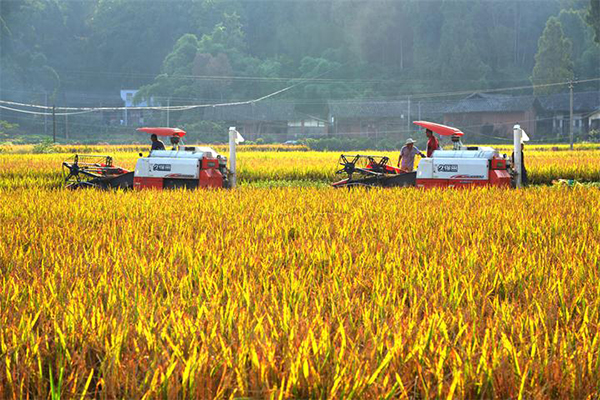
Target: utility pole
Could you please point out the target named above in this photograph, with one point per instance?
(46, 114)
(54, 124)
(571, 113)
(408, 117)
(168, 108)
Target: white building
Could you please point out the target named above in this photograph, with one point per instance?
(134, 117)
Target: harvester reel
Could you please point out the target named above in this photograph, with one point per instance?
(73, 176)
(349, 167)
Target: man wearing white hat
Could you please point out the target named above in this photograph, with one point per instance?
(406, 162)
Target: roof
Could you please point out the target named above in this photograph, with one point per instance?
(483, 102)
(365, 109)
(424, 109)
(582, 102)
(261, 111)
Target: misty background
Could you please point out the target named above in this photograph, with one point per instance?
(169, 53)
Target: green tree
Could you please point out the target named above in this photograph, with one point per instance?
(130, 39)
(553, 62)
(593, 18)
(316, 67)
(175, 80)
(460, 61)
(201, 70)
(585, 53)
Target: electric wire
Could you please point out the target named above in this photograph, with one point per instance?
(157, 108)
(196, 106)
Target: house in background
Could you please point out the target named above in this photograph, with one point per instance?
(307, 125)
(594, 120)
(556, 112)
(430, 110)
(494, 115)
(369, 118)
(254, 120)
(134, 117)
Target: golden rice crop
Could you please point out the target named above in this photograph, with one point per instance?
(300, 293)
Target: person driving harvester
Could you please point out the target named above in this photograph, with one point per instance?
(432, 142)
(156, 144)
(406, 162)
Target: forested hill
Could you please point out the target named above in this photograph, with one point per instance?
(240, 49)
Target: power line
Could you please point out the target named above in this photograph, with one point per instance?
(463, 92)
(44, 113)
(81, 110)
(76, 110)
(421, 95)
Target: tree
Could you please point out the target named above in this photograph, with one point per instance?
(593, 18)
(461, 64)
(175, 81)
(201, 69)
(553, 62)
(130, 39)
(585, 53)
(311, 67)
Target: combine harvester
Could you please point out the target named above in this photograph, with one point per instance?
(463, 166)
(181, 167)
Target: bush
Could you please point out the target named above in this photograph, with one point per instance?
(44, 147)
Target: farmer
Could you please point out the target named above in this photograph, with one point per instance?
(432, 144)
(156, 144)
(406, 162)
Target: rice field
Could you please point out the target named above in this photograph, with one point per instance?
(299, 292)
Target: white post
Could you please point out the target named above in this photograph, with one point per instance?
(232, 139)
(517, 154)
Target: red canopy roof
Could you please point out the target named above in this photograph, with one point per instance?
(439, 128)
(164, 131)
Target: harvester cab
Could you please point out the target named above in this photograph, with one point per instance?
(187, 167)
(181, 167)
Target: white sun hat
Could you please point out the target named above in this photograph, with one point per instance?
(410, 141)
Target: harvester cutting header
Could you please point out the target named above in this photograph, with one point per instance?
(462, 166)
